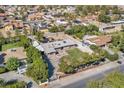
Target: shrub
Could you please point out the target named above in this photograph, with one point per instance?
(3, 70)
(113, 57)
(12, 63)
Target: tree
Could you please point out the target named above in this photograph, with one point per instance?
(109, 81)
(122, 45)
(1, 10)
(94, 84)
(116, 40)
(104, 18)
(115, 10)
(25, 32)
(112, 57)
(8, 34)
(32, 54)
(54, 29)
(122, 28)
(24, 41)
(17, 32)
(2, 82)
(39, 36)
(3, 70)
(12, 84)
(38, 71)
(12, 63)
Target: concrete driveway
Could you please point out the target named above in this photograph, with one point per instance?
(83, 48)
(12, 75)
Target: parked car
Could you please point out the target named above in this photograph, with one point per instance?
(29, 84)
(119, 62)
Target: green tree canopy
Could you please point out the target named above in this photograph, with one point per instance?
(12, 63)
(104, 18)
(113, 80)
(38, 71)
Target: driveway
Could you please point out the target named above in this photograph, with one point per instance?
(83, 48)
(13, 76)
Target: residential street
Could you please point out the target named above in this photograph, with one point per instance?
(13, 76)
(80, 79)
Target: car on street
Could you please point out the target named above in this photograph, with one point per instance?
(119, 62)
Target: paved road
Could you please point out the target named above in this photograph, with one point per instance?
(83, 83)
(79, 80)
(14, 76)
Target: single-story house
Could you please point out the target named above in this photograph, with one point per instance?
(97, 40)
(14, 52)
(53, 47)
(54, 36)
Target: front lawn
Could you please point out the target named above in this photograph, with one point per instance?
(11, 45)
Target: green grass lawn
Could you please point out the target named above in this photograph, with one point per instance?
(75, 56)
(9, 46)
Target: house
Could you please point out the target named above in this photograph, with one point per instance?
(61, 22)
(104, 28)
(2, 14)
(118, 22)
(91, 18)
(97, 40)
(14, 52)
(35, 16)
(108, 28)
(8, 27)
(17, 24)
(27, 27)
(54, 36)
(54, 47)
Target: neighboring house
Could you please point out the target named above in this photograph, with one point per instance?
(8, 27)
(61, 22)
(54, 47)
(91, 18)
(104, 28)
(35, 16)
(17, 24)
(120, 22)
(108, 28)
(2, 14)
(55, 36)
(97, 40)
(19, 53)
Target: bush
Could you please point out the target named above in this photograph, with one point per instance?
(12, 63)
(113, 57)
(3, 70)
(15, 84)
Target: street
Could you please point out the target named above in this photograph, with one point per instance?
(80, 80)
(14, 76)
(83, 83)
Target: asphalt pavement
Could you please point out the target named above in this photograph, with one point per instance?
(80, 80)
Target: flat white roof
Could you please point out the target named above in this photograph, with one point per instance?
(52, 46)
